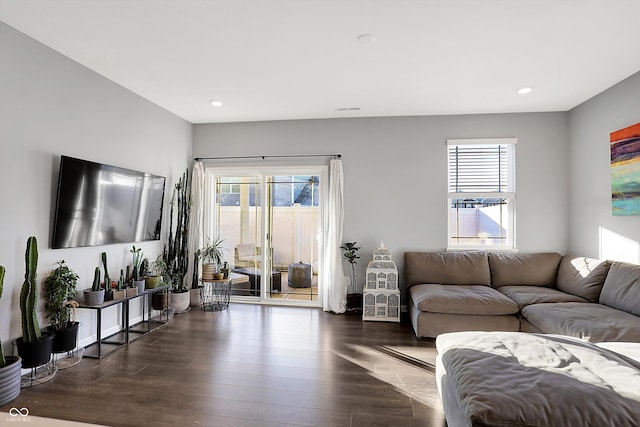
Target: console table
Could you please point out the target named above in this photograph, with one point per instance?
(104, 346)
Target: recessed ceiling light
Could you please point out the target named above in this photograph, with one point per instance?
(366, 38)
(215, 103)
(525, 90)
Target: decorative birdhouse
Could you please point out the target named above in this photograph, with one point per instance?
(381, 295)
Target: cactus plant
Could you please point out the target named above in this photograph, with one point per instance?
(107, 278)
(29, 294)
(121, 281)
(96, 280)
(144, 268)
(137, 262)
(176, 250)
(3, 362)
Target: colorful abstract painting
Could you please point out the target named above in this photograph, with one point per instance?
(625, 171)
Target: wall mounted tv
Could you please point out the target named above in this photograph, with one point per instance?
(100, 204)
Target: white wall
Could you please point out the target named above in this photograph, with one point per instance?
(395, 172)
(593, 230)
(50, 105)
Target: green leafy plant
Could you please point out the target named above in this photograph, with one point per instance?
(214, 252)
(29, 294)
(350, 253)
(60, 289)
(3, 362)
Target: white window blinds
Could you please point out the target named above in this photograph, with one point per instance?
(481, 166)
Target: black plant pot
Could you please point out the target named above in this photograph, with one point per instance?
(36, 353)
(65, 340)
(160, 301)
(108, 295)
(354, 302)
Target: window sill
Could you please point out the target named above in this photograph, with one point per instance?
(482, 248)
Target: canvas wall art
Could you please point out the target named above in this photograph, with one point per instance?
(625, 170)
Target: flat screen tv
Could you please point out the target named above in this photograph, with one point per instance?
(100, 204)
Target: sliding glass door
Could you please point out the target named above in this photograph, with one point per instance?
(271, 224)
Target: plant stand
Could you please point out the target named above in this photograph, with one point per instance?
(71, 358)
(214, 295)
(38, 375)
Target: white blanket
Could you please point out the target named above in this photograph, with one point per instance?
(518, 379)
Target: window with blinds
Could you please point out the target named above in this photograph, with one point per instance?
(481, 193)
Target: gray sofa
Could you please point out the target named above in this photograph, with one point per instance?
(590, 299)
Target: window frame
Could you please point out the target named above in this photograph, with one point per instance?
(509, 196)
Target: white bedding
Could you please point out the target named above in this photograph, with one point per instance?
(518, 379)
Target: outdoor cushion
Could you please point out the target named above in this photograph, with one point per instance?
(588, 321)
(527, 295)
(461, 299)
(621, 289)
(582, 276)
(537, 269)
(447, 268)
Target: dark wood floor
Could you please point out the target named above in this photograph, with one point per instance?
(252, 366)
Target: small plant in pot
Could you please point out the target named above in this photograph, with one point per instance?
(60, 289)
(212, 260)
(94, 295)
(119, 292)
(138, 274)
(108, 288)
(160, 300)
(34, 347)
(9, 367)
(150, 273)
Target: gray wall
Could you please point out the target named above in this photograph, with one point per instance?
(50, 105)
(593, 230)
(395, 172)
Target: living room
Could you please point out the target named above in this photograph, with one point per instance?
(395, 168)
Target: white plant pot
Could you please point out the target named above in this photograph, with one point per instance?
(180, 301)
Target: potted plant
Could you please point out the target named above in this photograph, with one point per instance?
(212, 259)
(138, 274)
(34, 347)
(120, 292)
(108, 287)
(194, 297)
(9, 367)
(176, 250)
(354, 299)
(150, 273)
(94, 295)
(160, 300)
(60, 289)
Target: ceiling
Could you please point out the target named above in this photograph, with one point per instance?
(301, 59)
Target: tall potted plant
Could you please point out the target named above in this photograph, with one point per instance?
(60, 289)
(194, 297)
(9, 367)
(34, 347)
(176, 250)
(354, 299)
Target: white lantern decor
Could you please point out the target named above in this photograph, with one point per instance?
(381, 295)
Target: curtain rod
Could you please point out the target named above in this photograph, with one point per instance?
(266, 157)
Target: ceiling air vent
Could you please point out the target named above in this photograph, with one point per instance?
(342, 109)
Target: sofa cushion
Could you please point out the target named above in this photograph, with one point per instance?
(582, 276)
(527, 295)
(538, 269)
(447, 268)
(621, 288)
(461, 299)
(588, 321)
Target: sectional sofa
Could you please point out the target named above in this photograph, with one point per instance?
(590, 299)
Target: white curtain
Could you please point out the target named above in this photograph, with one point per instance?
(196, 221)
(334, 289)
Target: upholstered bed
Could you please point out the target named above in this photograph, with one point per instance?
(519, 379)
